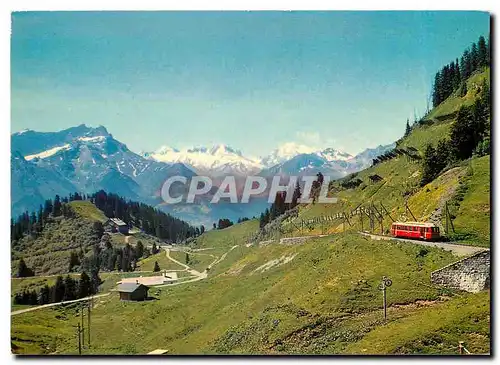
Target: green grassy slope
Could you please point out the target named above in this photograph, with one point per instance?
(450, 106)
(320, 297)
(147, 264)
(87, 210)
(473, 215)
(250, 309)
(228, 237)
(49, 252)
(401, 175)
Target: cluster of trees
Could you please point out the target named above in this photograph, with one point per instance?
(469, 135)
(351, 184)
(106, 257)
(64, 289)
(453, 76)
(223, 223)
(411, 152)
(23, 271)
(33, 223)
(148, 219)
(280, 206)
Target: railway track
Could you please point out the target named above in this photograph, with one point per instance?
(455, 248)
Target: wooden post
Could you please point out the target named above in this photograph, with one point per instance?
(372, 220)
(386, 282)
(385, 302)
(446, 216)
(83, 328)
(79, 340)
(88, 319)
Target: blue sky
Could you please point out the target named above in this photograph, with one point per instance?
(346, 80)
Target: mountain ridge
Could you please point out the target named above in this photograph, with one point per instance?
(88, 159)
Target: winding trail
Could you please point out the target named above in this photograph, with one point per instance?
(198, 275)
(21, 311)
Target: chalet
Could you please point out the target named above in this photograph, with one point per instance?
(166, 278)
(133, 291)
(116, 225)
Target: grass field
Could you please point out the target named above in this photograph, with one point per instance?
(254, 307)
(473, 216)
(454, 102)
(86, 209)
(319, 297)
(163, 261)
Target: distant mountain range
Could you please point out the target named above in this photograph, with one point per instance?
(214, 161)
(86, 159)
(289, 159)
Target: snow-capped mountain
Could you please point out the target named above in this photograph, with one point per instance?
(330, 162)
(285, 152)
(216, 160)
(289, 150)
(331, 154)
(31, 184)
(86, 160)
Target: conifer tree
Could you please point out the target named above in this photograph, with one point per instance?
(474, 57)
(156, 267)
(58, 290)
(482, 52)
(23, 270)
(84, 286)
(296, 195)
(408, 128)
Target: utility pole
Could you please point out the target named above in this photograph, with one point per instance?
(83, 328)
(79, 340)
(88, 319)
(372, 221)
(386, 282)
(446, 216)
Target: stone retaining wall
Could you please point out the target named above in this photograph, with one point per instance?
(471, 274)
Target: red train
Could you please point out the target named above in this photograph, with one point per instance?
(415, 230)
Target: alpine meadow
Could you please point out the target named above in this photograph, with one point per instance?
(387, 112)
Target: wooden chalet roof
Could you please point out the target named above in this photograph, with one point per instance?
(129, 287)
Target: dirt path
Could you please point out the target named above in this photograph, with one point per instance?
(198, 275)
(21, 311)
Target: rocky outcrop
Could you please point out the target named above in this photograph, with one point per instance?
(471, 274)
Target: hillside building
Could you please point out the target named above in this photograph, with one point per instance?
(133, 291)
(115, 225)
